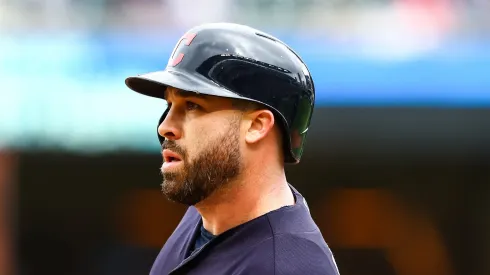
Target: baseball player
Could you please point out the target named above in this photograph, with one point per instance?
(239, 104)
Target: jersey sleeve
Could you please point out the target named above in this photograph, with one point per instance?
(301, 255)
(290, 255)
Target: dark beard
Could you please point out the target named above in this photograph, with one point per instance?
(215, 166)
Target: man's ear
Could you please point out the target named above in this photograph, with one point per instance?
(261, 123)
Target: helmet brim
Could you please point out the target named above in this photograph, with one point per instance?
(154, 84)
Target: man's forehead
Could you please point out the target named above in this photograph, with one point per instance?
(174, 92)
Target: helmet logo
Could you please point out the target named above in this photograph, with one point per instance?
(175, 60)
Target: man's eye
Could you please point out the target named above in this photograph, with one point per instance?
(191, 105)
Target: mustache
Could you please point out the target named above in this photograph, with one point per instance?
(173, 146)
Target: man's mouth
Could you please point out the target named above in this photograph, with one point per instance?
(170, 156)
(171, 160)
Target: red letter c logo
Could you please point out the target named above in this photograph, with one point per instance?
(188, 37)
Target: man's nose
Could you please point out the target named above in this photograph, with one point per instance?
(169, 128)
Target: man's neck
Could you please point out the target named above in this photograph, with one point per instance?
(244, 201)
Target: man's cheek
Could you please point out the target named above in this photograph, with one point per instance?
(199, 139)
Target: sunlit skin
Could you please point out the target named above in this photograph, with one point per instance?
(225, 161)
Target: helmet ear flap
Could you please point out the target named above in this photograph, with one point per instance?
(162, 118)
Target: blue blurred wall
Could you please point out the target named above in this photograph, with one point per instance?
(455, 74)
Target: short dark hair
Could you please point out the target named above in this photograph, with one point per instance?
(246, 105)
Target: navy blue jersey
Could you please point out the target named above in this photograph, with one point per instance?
(282, 242)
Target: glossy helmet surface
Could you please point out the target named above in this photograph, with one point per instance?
(237, 61)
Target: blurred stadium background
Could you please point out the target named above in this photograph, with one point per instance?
(396, 168)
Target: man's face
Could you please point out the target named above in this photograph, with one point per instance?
(202, 146)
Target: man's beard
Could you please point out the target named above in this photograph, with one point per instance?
(213, 168)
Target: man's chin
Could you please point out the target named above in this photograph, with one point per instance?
(171, 188)
(178, 193)
(185, 200)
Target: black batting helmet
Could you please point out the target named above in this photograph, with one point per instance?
(236, 61)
